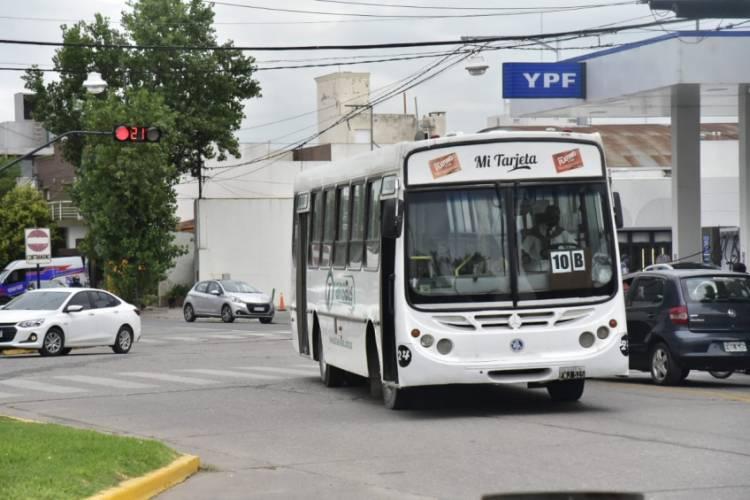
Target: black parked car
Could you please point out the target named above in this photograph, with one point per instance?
(681, 320)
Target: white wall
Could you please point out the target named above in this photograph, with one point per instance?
(249, 239)
(182, 272)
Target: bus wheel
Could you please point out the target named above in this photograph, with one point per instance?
(566, 391)
(395, 398)
(330, 375)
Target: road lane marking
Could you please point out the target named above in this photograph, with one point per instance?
(170, 378)
(225, 337)
(687, 391)
(229, 373)
(185, 339)
(284, 371)
(6, 395)
(151, 341)
(104, 381)
(40, 386)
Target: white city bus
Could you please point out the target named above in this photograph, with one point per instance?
(480, 259)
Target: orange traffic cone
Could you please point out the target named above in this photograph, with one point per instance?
(282, 304)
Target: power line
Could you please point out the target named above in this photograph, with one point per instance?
(508, 38)
(539, 10)
(464, 8)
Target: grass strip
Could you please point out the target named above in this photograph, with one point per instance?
(49, 461)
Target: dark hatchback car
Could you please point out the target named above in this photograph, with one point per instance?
(682, 320)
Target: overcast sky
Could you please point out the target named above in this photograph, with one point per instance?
(467, 100)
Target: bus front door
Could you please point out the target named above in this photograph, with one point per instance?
(300, 242)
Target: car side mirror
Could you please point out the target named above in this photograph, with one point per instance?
(74, 308)
(215, 292)
(393, 218)
(618, 210)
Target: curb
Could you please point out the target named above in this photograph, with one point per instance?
(17, 352)
(153, 483)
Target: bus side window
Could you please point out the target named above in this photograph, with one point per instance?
(372, 256)
(313, 258)
(356, 247)
(329, 228)
(344, 223)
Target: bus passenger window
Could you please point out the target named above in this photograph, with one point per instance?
(356, 247)
(372, 257)
(342, 235)
(329, 228)
(313, 258)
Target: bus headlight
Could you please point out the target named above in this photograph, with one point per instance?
(427, 340)
(586, 339)
(602, 332)
(444, 346)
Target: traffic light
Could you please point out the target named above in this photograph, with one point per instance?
(136, 133)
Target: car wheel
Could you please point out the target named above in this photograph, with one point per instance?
(566, 391)
(226, 314)
(123, 341)
(721, 374)
(53, 343)
(664, 368)
(66, 351)
(265, 321)
(330, 375)
(189, 313)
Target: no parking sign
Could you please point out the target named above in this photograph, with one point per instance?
(38, 248)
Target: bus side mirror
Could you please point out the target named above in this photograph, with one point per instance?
(618, 210)
(393, 217)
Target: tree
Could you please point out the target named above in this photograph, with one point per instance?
(8, 177)
(205, 88)
(126, 194)
(20, 208)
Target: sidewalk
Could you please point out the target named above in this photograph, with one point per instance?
(174, 313)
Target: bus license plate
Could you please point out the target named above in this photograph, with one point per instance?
(735, 347)
(572, 372)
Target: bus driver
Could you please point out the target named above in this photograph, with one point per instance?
(545, 235)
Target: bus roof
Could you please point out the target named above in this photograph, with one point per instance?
(390, 158)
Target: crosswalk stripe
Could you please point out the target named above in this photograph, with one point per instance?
(40, 386)
(104, 381)
(309, 366)
(284, 371)
(229, 373)
(186, 339)
(170, 378)
(6, 395)
(225, 337)
(151, 341)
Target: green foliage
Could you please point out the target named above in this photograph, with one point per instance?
(8, 177)
(20, 208)
(125, 192)
(205, 88)
(49, 461)
(177, 294)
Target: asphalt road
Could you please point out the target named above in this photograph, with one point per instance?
(257, 415)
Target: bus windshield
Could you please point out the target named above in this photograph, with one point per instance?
(509, 243)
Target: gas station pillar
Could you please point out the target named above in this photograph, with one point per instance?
(743, 131)
(686, 173)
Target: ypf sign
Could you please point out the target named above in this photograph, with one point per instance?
(38, 247)
(544, 80)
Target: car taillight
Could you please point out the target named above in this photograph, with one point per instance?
(678, 315)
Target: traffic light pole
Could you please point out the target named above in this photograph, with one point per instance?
(59, 137)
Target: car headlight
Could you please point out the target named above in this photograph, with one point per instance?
(31, 323)
(237, 300)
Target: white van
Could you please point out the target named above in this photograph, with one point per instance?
(19, 276)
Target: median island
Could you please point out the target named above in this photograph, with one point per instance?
(49, 461)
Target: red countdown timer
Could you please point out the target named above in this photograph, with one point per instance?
(130, 133)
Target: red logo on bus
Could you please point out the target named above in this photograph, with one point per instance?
(445, 165)
(568, 160)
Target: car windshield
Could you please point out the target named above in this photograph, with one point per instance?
(459, 240)
(4, 275)
(238, 287)
(37, 301)
(717, 289)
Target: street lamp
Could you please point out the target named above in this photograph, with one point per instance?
(94, 83)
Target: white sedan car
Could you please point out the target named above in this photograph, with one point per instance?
(54, 321)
